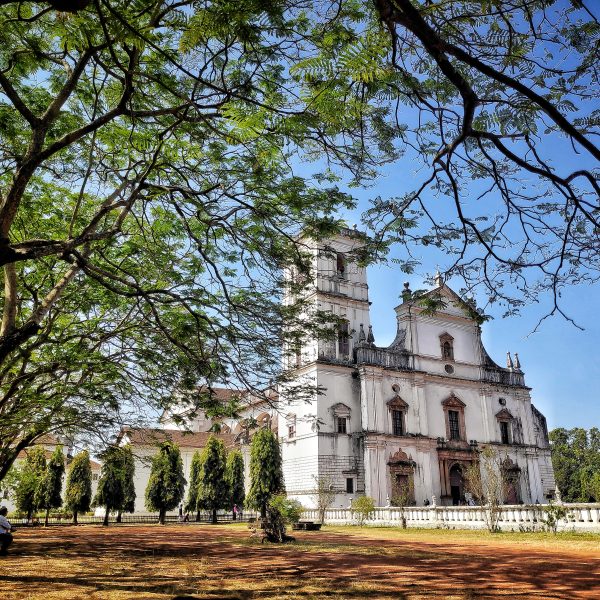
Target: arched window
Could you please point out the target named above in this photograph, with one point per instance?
(505, 419)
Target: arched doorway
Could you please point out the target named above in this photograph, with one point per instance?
(456, 484)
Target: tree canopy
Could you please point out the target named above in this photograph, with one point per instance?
(148, 200)
(153, 178)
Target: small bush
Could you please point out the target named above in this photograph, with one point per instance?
(363, 507)
(290, 510)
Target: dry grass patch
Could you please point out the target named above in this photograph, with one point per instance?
(160, 563)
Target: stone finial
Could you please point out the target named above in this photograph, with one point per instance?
(433, 501)
(406, 292)
(439, 280)
(509, 362)
(361, 335)
(517, 363)
(371, 337)
(557, 497)
(387, 502)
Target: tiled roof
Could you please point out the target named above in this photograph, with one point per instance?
(184, 439)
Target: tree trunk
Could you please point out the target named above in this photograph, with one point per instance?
(161, 516)
(29, 515)
(263, 511)
(234, 517)
(46, 519)
(74, 517)
(214, 516)
(119, 519)
(197, 516)
(105, 522)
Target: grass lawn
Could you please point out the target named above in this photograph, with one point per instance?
(200, 561)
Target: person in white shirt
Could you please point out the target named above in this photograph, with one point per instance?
(5, 531)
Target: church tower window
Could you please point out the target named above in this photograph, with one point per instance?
(341, 418)
(343, 340)
(342, 424)
(447, 346)
(340, 265)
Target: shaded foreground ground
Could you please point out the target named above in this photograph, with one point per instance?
(160, 563)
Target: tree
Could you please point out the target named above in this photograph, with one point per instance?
(505, 131)
(236, 480)
(166, 483)
(266, 474)
(30, 475)
(191, 504)
(148, 203)
(111, 485)
(281, 511)
(78, 494)
(213, 490)
(323, 494)
(404, 497)
(363, 507)
(487, 482)
(129, 494)
(576, 462)
(48, 492)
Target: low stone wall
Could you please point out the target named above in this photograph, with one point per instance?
(581, 517)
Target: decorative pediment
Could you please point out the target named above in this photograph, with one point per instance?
(504, 415)
(290, 418)
(400, 458)
(509, 465)
(453, 402)
(397, 403)
(446, 337)
(340, 410)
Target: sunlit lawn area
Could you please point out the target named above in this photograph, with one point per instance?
(153, 562)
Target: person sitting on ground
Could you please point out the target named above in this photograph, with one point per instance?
(5, 531)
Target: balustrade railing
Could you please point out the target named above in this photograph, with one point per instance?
(368, 355)
(580, 517)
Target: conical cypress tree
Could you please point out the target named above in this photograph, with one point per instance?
(111, 486)
(78, 495)
(30, 476)
(166, 484)
(235, 479)
(129, 494)
(266, 474)
(213, 491)
(48, 492)
(191, 504)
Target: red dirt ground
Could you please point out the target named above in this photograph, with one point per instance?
(152, 562)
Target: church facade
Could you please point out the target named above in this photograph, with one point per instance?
(403, 423)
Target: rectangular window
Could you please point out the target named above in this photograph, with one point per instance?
(350, 485)
(340, 265)
(454, 425)
(342, 425)
(291, 431)
(343, 340)
(504, 432)
(398, 422)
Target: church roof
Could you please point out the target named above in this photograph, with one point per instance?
(147, 436)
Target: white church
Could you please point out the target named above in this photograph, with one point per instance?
(409, 418)
(406, 419)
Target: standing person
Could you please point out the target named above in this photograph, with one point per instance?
(5, 532)
(236, 511)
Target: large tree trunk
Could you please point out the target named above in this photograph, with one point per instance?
(234, 515)
(119, 513)
(105, 522)
(197, 516)
(74, 517)
(214, 516)
(161, 516)
(46, 519)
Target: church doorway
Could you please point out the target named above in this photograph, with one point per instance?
(456, 484)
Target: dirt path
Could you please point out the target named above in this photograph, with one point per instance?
(151, 562)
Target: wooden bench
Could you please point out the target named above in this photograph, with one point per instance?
(306, 526)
